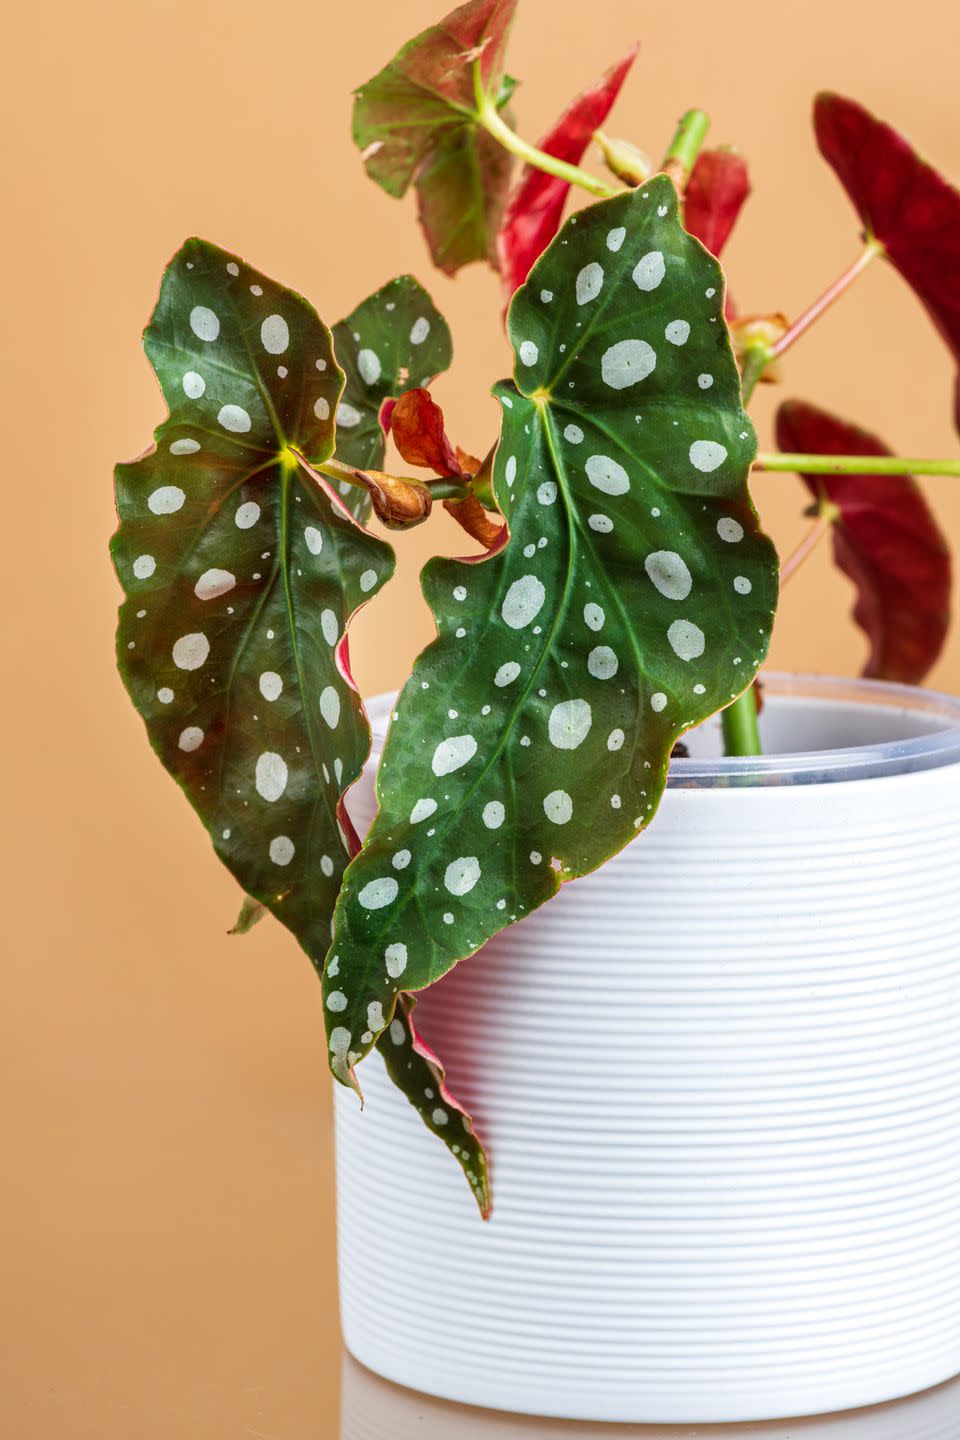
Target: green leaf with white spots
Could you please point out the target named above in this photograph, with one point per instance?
(418, 122)
(416, 1070)
(395, 340)
(241, 571)
(634, 599)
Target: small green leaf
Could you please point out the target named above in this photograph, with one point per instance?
(415, 1069)
(417, 122)
(634, 598)
(241, 571)
(395, 340)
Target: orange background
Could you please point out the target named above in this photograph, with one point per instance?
(166, 1242)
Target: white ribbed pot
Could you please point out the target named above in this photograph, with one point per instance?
(750, 1207)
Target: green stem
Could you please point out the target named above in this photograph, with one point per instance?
(855, 464)
(685, 146)
(449, 489)
(741, 734)
(493, 122)
(755, 361)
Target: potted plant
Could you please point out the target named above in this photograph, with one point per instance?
(715, 1079)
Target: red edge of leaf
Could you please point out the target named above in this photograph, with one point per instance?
(535, 209)
(886, 541)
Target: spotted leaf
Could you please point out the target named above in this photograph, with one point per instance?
(393, 341)
(885, 539)
(633, 599)
(241, 572)
(903, 202)
(716, 192)
(416, 1070)
(417, 122)
(536, 206)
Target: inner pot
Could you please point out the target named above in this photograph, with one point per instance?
(719, 1082)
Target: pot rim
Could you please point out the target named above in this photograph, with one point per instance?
(930, 751)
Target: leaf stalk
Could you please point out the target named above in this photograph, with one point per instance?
(855, 464)
(685, 147)
(493, 122)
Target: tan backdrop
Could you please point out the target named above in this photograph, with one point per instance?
(166, 1238)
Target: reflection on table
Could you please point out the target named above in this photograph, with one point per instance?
(373, 1409)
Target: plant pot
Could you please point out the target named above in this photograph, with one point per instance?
(747, 1206)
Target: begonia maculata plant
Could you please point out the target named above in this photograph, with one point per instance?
(620, 589)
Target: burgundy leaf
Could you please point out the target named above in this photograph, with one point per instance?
(419, 434)
(717, 188)
(903, 202)
(885, 539)
(536, 207)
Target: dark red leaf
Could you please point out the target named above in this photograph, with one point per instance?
(717, 188)
(419, 434)
(902, 201)
(536, 207)
(886, 540)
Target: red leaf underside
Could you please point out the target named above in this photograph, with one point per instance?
(536, 207)
(902, 201)
(715, 195)
(885, 540)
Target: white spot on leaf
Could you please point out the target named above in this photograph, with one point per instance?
(730, 530)
(204, 323)
(213, 583)
(396, 959)
(452, 754)
(275, 334)
(247, 515)
(627, 363)
(191, 651)
(589, 283)
(282, 850)
(461, 875)
(706, 455)
(649, 271)
(271, 775)
(569, 724)
(234, 418)
(167, 500)
(686, 639)
(330, 706)
(669, 573)
(602, 663)
(523, 602)
(558, 807)
(607, 475)
(493, 814)
(378, 893)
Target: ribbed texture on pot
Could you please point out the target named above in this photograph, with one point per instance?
(371, 1409)
(748, 1204)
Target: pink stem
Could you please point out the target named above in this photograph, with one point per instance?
(806, 547)
(842, 283)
